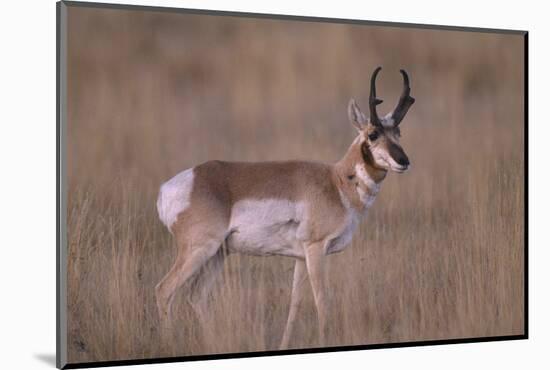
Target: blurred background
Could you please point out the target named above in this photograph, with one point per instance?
(440, 255)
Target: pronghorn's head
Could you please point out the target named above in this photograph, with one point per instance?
(378, 137)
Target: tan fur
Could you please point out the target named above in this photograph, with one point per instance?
(219, 185)
(332, 195)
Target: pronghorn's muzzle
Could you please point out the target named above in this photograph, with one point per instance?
(400, 158)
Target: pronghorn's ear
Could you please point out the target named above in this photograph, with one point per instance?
(356, 117)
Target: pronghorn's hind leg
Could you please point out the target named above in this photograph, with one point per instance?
(203, 282)
(182, 270)
(196, 246)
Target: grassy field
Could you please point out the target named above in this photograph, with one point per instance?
(440, 254)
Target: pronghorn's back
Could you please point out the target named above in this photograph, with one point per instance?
(268, 192)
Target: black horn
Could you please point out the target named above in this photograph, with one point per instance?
(373, 100)
(405, 101)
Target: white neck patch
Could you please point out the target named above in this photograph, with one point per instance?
(367, 198)
(363, 175)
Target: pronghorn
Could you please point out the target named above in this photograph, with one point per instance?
(305, 210)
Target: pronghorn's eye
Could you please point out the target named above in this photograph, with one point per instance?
(373, 136)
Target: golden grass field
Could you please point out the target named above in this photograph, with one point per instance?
(441, 253)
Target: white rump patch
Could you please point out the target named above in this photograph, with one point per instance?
(174, 197)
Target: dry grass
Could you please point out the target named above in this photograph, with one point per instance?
(439, 256)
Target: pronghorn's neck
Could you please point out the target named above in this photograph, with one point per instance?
(359, 180)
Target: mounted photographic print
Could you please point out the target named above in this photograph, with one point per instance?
(234, 184)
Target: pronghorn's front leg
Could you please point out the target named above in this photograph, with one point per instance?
(300, 275)
(315, 263)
